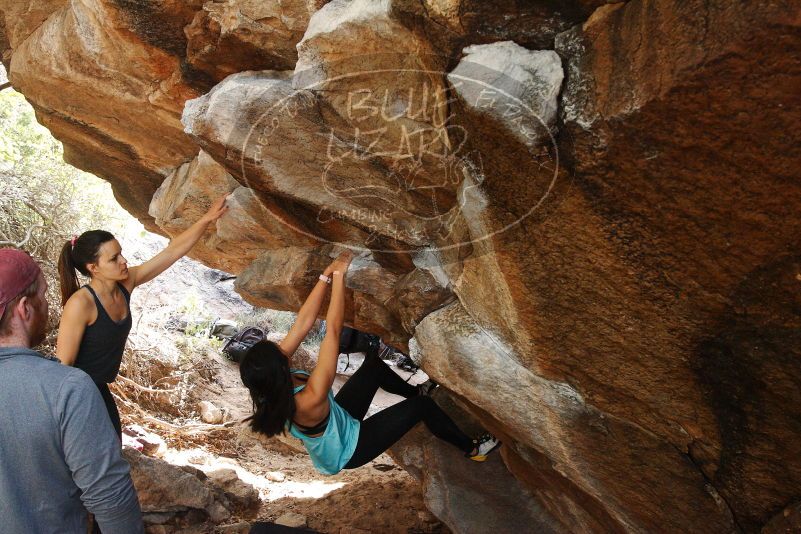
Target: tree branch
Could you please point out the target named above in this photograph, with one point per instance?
(140, 387)
(5, 86)
(35, 210)
(27, 237)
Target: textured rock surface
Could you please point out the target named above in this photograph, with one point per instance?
(292, 520)
(184, 496)
(235, 489)
(282, 278)
(21, 18)
(231, 36)
(148, 443)
(788, 520)
(681, 137)
(120, 91)
(594, 241)
(457, 489)
(209, 413)
(590, 449)
(236, 240)
(162, 487)
(510, 75)
(531, 24)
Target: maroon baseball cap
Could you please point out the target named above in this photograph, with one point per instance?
(17, 272)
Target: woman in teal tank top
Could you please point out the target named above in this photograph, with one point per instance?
(333, 428)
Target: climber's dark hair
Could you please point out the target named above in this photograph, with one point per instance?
(75, 255)
(265, 372)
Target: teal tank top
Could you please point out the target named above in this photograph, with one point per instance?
(334, 448)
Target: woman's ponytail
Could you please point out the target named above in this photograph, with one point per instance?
(76, 254)
(66, 273)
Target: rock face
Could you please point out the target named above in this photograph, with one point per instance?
(119, 115)
(707, 228)
(580, 215)
(516, 76)
(588, 449)
(231, 36)
(457, 489)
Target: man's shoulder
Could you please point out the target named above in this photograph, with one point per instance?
(41, 368)
(48, 390)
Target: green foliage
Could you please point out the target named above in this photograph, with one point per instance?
(280, 321)
(198, 326)
(35, 176)
(190, 305)
(44, 200)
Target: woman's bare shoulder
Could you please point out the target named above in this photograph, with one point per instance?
(81, 303)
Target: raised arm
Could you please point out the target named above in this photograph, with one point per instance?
(177, 248)
(322, 377)
(307, 314)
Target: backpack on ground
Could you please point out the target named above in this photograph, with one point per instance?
(238, 344)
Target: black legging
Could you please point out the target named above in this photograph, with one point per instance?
(382, 430)
(111, 407)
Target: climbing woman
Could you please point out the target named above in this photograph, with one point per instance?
(97, 317)
(333, 428)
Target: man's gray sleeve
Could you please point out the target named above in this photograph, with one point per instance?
(93, 453)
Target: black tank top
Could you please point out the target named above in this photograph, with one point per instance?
(100, 353)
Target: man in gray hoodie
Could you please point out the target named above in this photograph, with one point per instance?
(59, 453)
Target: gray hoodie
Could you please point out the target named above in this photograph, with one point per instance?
(59, 454)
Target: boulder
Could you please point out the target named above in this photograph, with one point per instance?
(292, 520)
(209, 413)
(235, 489)
(22, 18)
(470, 496)
(100, 57)
(511, 86)
(182, 496)
(589, 452)
(788, 520)
(281, 279)
(163, 487)
(529, 24)
(147, 443)
(672, 112)
(415, 295)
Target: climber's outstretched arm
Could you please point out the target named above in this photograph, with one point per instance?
(307, 314)
(322, 377)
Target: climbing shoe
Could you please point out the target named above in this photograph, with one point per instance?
(427, 387)
(484, 445)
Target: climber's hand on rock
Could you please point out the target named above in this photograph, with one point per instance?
(217, 209)
(341, 263)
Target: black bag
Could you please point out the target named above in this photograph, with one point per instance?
(352, 340)
(236, 347)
